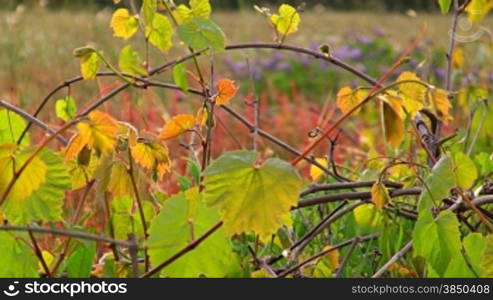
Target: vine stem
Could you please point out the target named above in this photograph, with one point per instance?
(183, 251)
(140, 207)
(32, 119)
(39, 254)
(325, 252)
(63, 232)
(393, 259)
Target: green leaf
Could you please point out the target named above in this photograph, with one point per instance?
(183, 218)
(45, 202)
(484, 162)
(65, 108)
(200, 33)
(465, 170)
(437, 240)
(180, 77)
(444, 5)
(252, 197)
(438, 184)
(11, 127)
(148, 10)
(474, 243)
(487, 257)
(79, 264)
(129, 62)
(17, 258)
(160, 32)
(198, 8)
(126, 220)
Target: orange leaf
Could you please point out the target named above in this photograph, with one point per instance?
(379, 195)
(177, 126)
(226, 90)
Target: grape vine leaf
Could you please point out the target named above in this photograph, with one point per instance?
(393, 125)
(437, 240)
(129, 62)
(200, 33)
(178, 125)
(98, 132)
(487, 257)
(80, 261)
(478, 9)
(474, 245)
(65, 108)
(379, 195)
(45, 202)
(347, 99)
(465, 170)
(198, 8)
(123, 24)
(160, 32)
(148, 10)
(441, 104)
(180, 77)
(120, 183)
(152, 156)
(250, 196)
(437, 184)
(89, 62)
(444, 5)
(11, 127)
(226, 90)
(316, 172)
(183, 218)
(287, 21)
(18, 259)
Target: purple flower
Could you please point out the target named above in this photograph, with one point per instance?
(345, 52)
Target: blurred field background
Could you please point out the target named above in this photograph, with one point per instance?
(37, 39)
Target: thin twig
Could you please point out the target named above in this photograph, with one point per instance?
(325, 252)
(74, 234)
(32, 119)
(345, 260)
(393, 259)
(183, 251)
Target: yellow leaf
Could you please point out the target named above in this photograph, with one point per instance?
(287, 21)
(178, 125)
(151, 156)
(30, 179)
(379, 195)
(411, 90)
(478, 9)
(347, 98)
(441, 104)
(201, 117)
(124, 25)
(48, 258)
(120, 183)
(326, 265)
(98, 133)
(393, 124)
(226, 90)
(198, 8)
(316, 172)
(74, 147)
(458, 57)
(89, 64)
